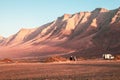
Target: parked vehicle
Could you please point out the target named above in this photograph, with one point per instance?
(108, 56)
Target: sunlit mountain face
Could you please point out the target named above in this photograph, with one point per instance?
(86, 34)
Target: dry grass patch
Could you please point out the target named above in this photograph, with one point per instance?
(117, 57)
(55, 59)
(7, 60)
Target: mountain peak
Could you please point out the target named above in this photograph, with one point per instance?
(1, 37)
(23, 29)
(100, 10)
(27, 29)
(65, 17)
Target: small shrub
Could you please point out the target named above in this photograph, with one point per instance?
(55, 59)
(7, 60)
(81, 58)
(117, 57)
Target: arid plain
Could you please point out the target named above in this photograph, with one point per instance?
(78, 70)
(86, 35)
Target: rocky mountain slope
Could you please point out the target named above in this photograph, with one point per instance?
(1, 38)
(86, 34)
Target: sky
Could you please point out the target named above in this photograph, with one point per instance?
(17, 14)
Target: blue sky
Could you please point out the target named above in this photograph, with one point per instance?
(17, 14)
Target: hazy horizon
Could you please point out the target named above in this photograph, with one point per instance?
(17, 14)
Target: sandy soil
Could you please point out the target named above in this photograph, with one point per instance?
(80, 70)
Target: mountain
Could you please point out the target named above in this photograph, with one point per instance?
(1, 38)
(84, 34)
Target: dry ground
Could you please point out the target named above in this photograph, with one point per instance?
(80, 70)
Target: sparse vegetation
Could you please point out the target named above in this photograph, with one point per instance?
(117, 57)
(55, 59)
(80, 70)
(7, 60)
(81, 58)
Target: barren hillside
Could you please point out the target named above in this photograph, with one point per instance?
(87, 34)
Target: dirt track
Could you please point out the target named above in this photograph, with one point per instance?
(81, 70)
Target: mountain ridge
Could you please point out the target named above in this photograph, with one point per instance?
(79, 33)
